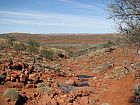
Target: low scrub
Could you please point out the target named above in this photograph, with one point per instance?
(11, 93)
(137, 94)
(47, 54)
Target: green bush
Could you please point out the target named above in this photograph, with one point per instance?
(108, 44)
(11, 93)
(47, 54)
(19, 47)
(70, 52)
(2, 77)
(32, 45)
(45, 89)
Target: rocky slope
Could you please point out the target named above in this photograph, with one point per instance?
(102, 77)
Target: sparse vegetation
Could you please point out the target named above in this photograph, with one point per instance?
(48, 54)
(32, 46)
(11, 93)
(45, 89)
(137, 93)
(19, 47)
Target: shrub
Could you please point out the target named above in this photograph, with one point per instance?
(45, 89)
(70, 52)
(137, 93)
(2, 78)
(19, 47)
(32, 45)
(47, 54)
(108, 44)
(11, 93)
(39, 85)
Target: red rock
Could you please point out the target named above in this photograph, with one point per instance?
(84, 100)
(71, 82)
(30, 86)
(69, 104)
(76, 103)
(8, 78)
(53, 101)
(46, 99)
(18, 85)
(22, 77)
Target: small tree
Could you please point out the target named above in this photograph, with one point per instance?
(126, 14)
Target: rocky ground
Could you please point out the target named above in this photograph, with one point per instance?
(104, 77)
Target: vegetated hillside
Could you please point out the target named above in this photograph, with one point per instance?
(51, 76)
(62, 38)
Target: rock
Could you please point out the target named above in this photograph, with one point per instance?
(21, 100)
(105, 104)
(34, 78)
(118, 73)
(30, 69)
(69, 104)
(46, 99)
(84, 100)
(76, 103)
(92, 102)
(23, 78)
(8, 78)
(80, 92)
(30, 86)
(54, 102)
(14, 77)
(26, 72)
(18, 85)
(71, 82)
(66, 88)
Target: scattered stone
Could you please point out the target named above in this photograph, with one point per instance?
(118, 73)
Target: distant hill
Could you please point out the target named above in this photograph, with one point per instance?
(61, 38)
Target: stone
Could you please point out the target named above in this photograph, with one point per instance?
(34, 78)
(46, 99)
(84, 100)
(54, 102)
(118, 73)
(76, 103)
(105, 104)
(71, 82)
(18, 85)
(30, 86)
(23, 78)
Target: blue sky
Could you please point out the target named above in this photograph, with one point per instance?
(55, 16)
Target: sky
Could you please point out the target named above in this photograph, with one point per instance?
(55, 16)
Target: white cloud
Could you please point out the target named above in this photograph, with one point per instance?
(52, 19)
(82, 5)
